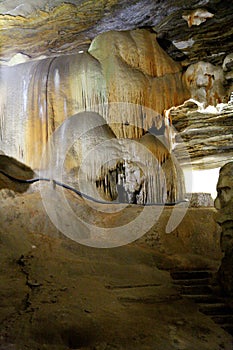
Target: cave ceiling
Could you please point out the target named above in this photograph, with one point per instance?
(189, 31)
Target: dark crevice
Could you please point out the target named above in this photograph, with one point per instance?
(22, 262)
(47, 97)
(134, 286)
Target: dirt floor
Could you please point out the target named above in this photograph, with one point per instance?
(58, 294)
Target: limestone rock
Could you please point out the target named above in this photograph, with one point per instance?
(197, 17)
(228, 63)
(12, 167)
(197, 200)
(144, 81)
(145, 77)
(55, 28)
(6, 193)
(205, 133)
(209, 42)
(224, 217)
(205, 82)
(18, 58)
(122, 291)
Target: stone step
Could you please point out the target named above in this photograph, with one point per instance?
(199, 287)
(195, 290)
(223, 319)
(203, 298)
(188, 275)
(216, 309)
(191, 282)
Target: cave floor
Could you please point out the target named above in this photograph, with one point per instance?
(58, 294)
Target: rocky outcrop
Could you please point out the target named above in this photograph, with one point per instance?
(10, 166)
(205, 82)
(224, 217)
(206, 133)
(200, 199)
(196, 34)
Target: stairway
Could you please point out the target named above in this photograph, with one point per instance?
(198, 287)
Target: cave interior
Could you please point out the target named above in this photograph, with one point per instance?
(116, 175)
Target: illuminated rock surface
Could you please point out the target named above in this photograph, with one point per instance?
(206, 132)
(51, 90)
(129, 87)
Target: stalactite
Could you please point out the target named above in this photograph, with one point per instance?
(129, 81)
(136, 172)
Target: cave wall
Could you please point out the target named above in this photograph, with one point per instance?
(129, 81)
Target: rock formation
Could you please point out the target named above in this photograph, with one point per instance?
(94, 57)
(146, 77)
(152, 84)
(205, 82)
(134, 171)
(138, 85)
(224, 217)
(56, 27)
(12, 167)
(129, 87)
(205, 132)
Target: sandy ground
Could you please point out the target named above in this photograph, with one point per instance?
(58, 294)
